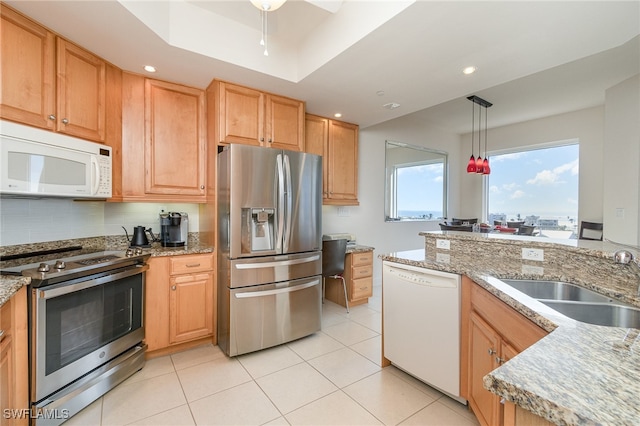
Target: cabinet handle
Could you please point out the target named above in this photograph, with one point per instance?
(491, 351)
(192, 265)
(173, 287)
(500, 360)
(502, 401)
(1, 335)
(261, 139)
(269, 140)
(201, 186)
(52, 117)
(65, 121)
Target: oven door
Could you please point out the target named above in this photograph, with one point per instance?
(82, 324)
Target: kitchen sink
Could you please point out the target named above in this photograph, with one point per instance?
(557, 290)
(612, 315)
(579, 303)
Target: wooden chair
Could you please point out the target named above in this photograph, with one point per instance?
(593, 231)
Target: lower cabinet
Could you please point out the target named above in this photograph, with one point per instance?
(492, 333)
(358, 275)
(14, 376)
(180, 300)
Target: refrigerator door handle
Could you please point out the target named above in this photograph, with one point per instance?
(289, 198)
(281, 195)
(277, 263)
(276, 291)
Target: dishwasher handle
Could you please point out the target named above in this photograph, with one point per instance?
(423, 279)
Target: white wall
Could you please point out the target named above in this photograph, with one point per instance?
(585, 126)
(366, 221)
(25, 221)
(621, 160)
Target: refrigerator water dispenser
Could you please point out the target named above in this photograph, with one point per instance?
(257, 232)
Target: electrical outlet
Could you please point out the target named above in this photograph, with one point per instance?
(533, 254)
(343, 211)
(443, 244)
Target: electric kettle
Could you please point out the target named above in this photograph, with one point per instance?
(139, 237)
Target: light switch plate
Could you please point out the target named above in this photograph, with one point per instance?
(443, 244)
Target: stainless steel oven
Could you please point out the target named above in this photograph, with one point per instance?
(86, 329)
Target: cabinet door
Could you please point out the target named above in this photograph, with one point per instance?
(484, 345)
(81, 92)
(191, 307)
(28, 71)
(156, 304)
(284, 123)
(342, 167)
(316, 138)
(508, 413)
(174, 139)
(240, 114)
(7, 379)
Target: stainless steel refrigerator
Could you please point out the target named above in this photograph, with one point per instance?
(269, 247)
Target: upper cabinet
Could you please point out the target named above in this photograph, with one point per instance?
(240, 114)
(163, 141)
(74, 102)
(337, 142)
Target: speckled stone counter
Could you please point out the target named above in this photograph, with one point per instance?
(359, 249)
(578, 374)
(9, 285)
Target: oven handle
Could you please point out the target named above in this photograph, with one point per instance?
(60, 291)
(262, 293)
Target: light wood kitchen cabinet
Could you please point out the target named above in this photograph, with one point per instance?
(337, 142)
(251, 117)
(49, 82)
(180, 300)
(358, 275)
(163, 141)
(14, 376)
(492, 333)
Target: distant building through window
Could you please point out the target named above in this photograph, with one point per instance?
(538, 187)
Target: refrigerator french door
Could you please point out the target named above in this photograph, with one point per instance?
(269, 247)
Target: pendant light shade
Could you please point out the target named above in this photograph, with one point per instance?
(478, 165)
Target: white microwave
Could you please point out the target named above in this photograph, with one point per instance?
(39, 163)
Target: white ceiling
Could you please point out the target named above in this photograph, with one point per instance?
(534, 58)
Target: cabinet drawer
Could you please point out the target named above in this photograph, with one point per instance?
(361, 288)
(362, 271)
(189, 264)
(358, 259)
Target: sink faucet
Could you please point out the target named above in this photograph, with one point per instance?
(625, 257)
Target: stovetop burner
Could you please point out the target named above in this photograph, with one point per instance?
(67, 268)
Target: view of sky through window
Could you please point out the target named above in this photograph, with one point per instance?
(419, 190)
(537, 183)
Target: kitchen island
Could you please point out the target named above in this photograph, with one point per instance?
(579, 373)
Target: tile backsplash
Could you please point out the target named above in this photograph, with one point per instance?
(25, 221)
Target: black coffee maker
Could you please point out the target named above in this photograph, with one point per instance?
(174, 229)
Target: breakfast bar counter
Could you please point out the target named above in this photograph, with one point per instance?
(579, 373)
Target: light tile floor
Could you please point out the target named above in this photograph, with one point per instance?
(330, 378)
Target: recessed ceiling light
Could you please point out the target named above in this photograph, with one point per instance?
(469, 70)
(337, 115)
(149, 68)
(380, 93)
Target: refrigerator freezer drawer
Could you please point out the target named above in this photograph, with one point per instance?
(272, 314)
(271, 269)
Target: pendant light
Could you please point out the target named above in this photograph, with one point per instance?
(479, 165)
(266, 6)
(471, 166)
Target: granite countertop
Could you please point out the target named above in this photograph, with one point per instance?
(359, 249)
(10, 284)
(579, 373)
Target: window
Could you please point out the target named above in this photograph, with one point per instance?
(415, 183)
(539, 187)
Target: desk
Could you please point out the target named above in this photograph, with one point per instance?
(358, 275)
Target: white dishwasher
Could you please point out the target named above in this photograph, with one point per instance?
(421, 324)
